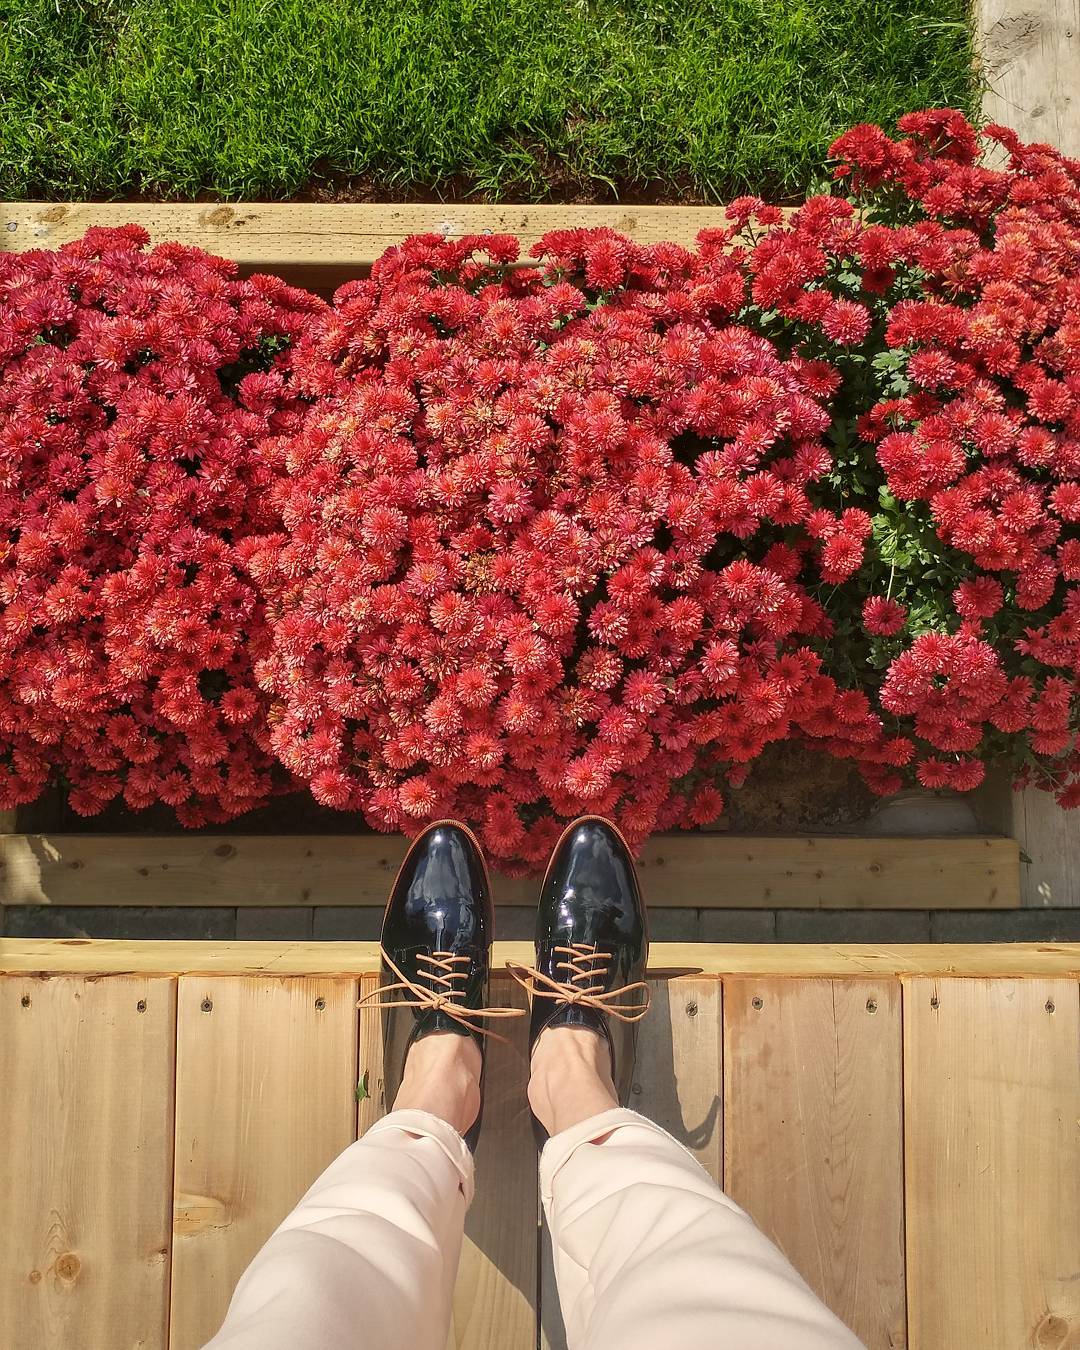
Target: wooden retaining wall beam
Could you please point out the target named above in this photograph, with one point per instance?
(321, 246)
(682, 870)
(87, 956)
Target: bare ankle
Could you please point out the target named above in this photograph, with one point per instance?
(442, 1077)
(571, 1078)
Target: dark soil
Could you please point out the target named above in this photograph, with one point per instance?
(793, 790)
(790, 790)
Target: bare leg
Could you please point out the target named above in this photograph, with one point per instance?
(442, 1077)
(571, 1078)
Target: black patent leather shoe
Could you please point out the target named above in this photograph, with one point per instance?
(436, 943)
(591, 946)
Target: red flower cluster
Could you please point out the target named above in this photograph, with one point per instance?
(512, 543)
(135, 389)
(542, 541)
(959, 356)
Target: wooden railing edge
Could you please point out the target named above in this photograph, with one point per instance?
(91, 957)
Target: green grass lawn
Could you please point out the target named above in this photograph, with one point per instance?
(512, 98)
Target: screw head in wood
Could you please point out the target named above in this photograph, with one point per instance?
(871, 1005)
(141, 1005)
(320, 1004)
(207, 1005)
(757, 1003)
(25, 1000)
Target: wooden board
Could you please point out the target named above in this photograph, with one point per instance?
(265, 1099)
(813, 1137)
(992, 1124)
(495, 1300)
(89, 956)
(324, 244)
(1049, 840)
(678, 1080)
(371, 1101)
(1030, 54)
(699, 870)
(495, 1296)
(677, 1083)
(86, 1115)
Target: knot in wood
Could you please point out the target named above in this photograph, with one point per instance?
(67, 1267)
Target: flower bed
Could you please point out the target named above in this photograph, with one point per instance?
(515, 542)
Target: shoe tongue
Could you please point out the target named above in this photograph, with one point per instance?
(574, 1015)
(434, 1021)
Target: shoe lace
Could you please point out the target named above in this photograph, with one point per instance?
(586, 968)
(446, 973)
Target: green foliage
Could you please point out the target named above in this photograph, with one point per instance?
(508, 97)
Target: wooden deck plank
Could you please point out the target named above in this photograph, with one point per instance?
(814, 1137)
(679, 1077)
(495, 1297)
(816, 872)
(678, 1083)
(86, 1113)
(90, 956)
(265, 1082)
(495, 1300)
(371, 1101)
(992, 1124)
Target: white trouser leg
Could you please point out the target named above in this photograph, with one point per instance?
(368, 1258)
(650, 1254)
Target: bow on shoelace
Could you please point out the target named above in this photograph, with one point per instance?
(584, 963)
(444, 994)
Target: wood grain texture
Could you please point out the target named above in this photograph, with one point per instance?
(495, 1300)
(679, 1079)
(814, 1137)
(371, 1100)
(324, 244)
(699, 870)
(1049, 839)
(677, 1083)
(265, 1095)
(1030, 51)
(86, 1115)
(90, 956)
(992, 1126)
(495, 1297)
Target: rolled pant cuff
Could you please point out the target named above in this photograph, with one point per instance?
(560, 1147)
(427, 1126)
